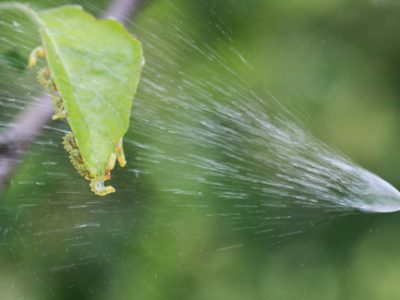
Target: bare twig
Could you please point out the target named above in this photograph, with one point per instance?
(122, 10)
(27, 126)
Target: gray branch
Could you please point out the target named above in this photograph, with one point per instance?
(16, 139)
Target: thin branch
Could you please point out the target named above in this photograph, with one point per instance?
(122, 10)
(28, 125)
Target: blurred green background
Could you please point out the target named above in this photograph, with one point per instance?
(335, 63)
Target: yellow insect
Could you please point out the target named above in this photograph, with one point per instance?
(69, 141)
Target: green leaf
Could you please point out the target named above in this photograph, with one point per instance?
(96, 66)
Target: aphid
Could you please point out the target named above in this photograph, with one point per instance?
(71, 147)
(36, 53)
(96, 182)
(44, 78)
(69, 140)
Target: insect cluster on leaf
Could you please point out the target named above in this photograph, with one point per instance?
(92, 71)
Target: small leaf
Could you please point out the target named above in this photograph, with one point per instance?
(96, 67)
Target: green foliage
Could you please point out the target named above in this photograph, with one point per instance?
(95, 67)
(338, 58)
(14, 59)
(96, 71)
